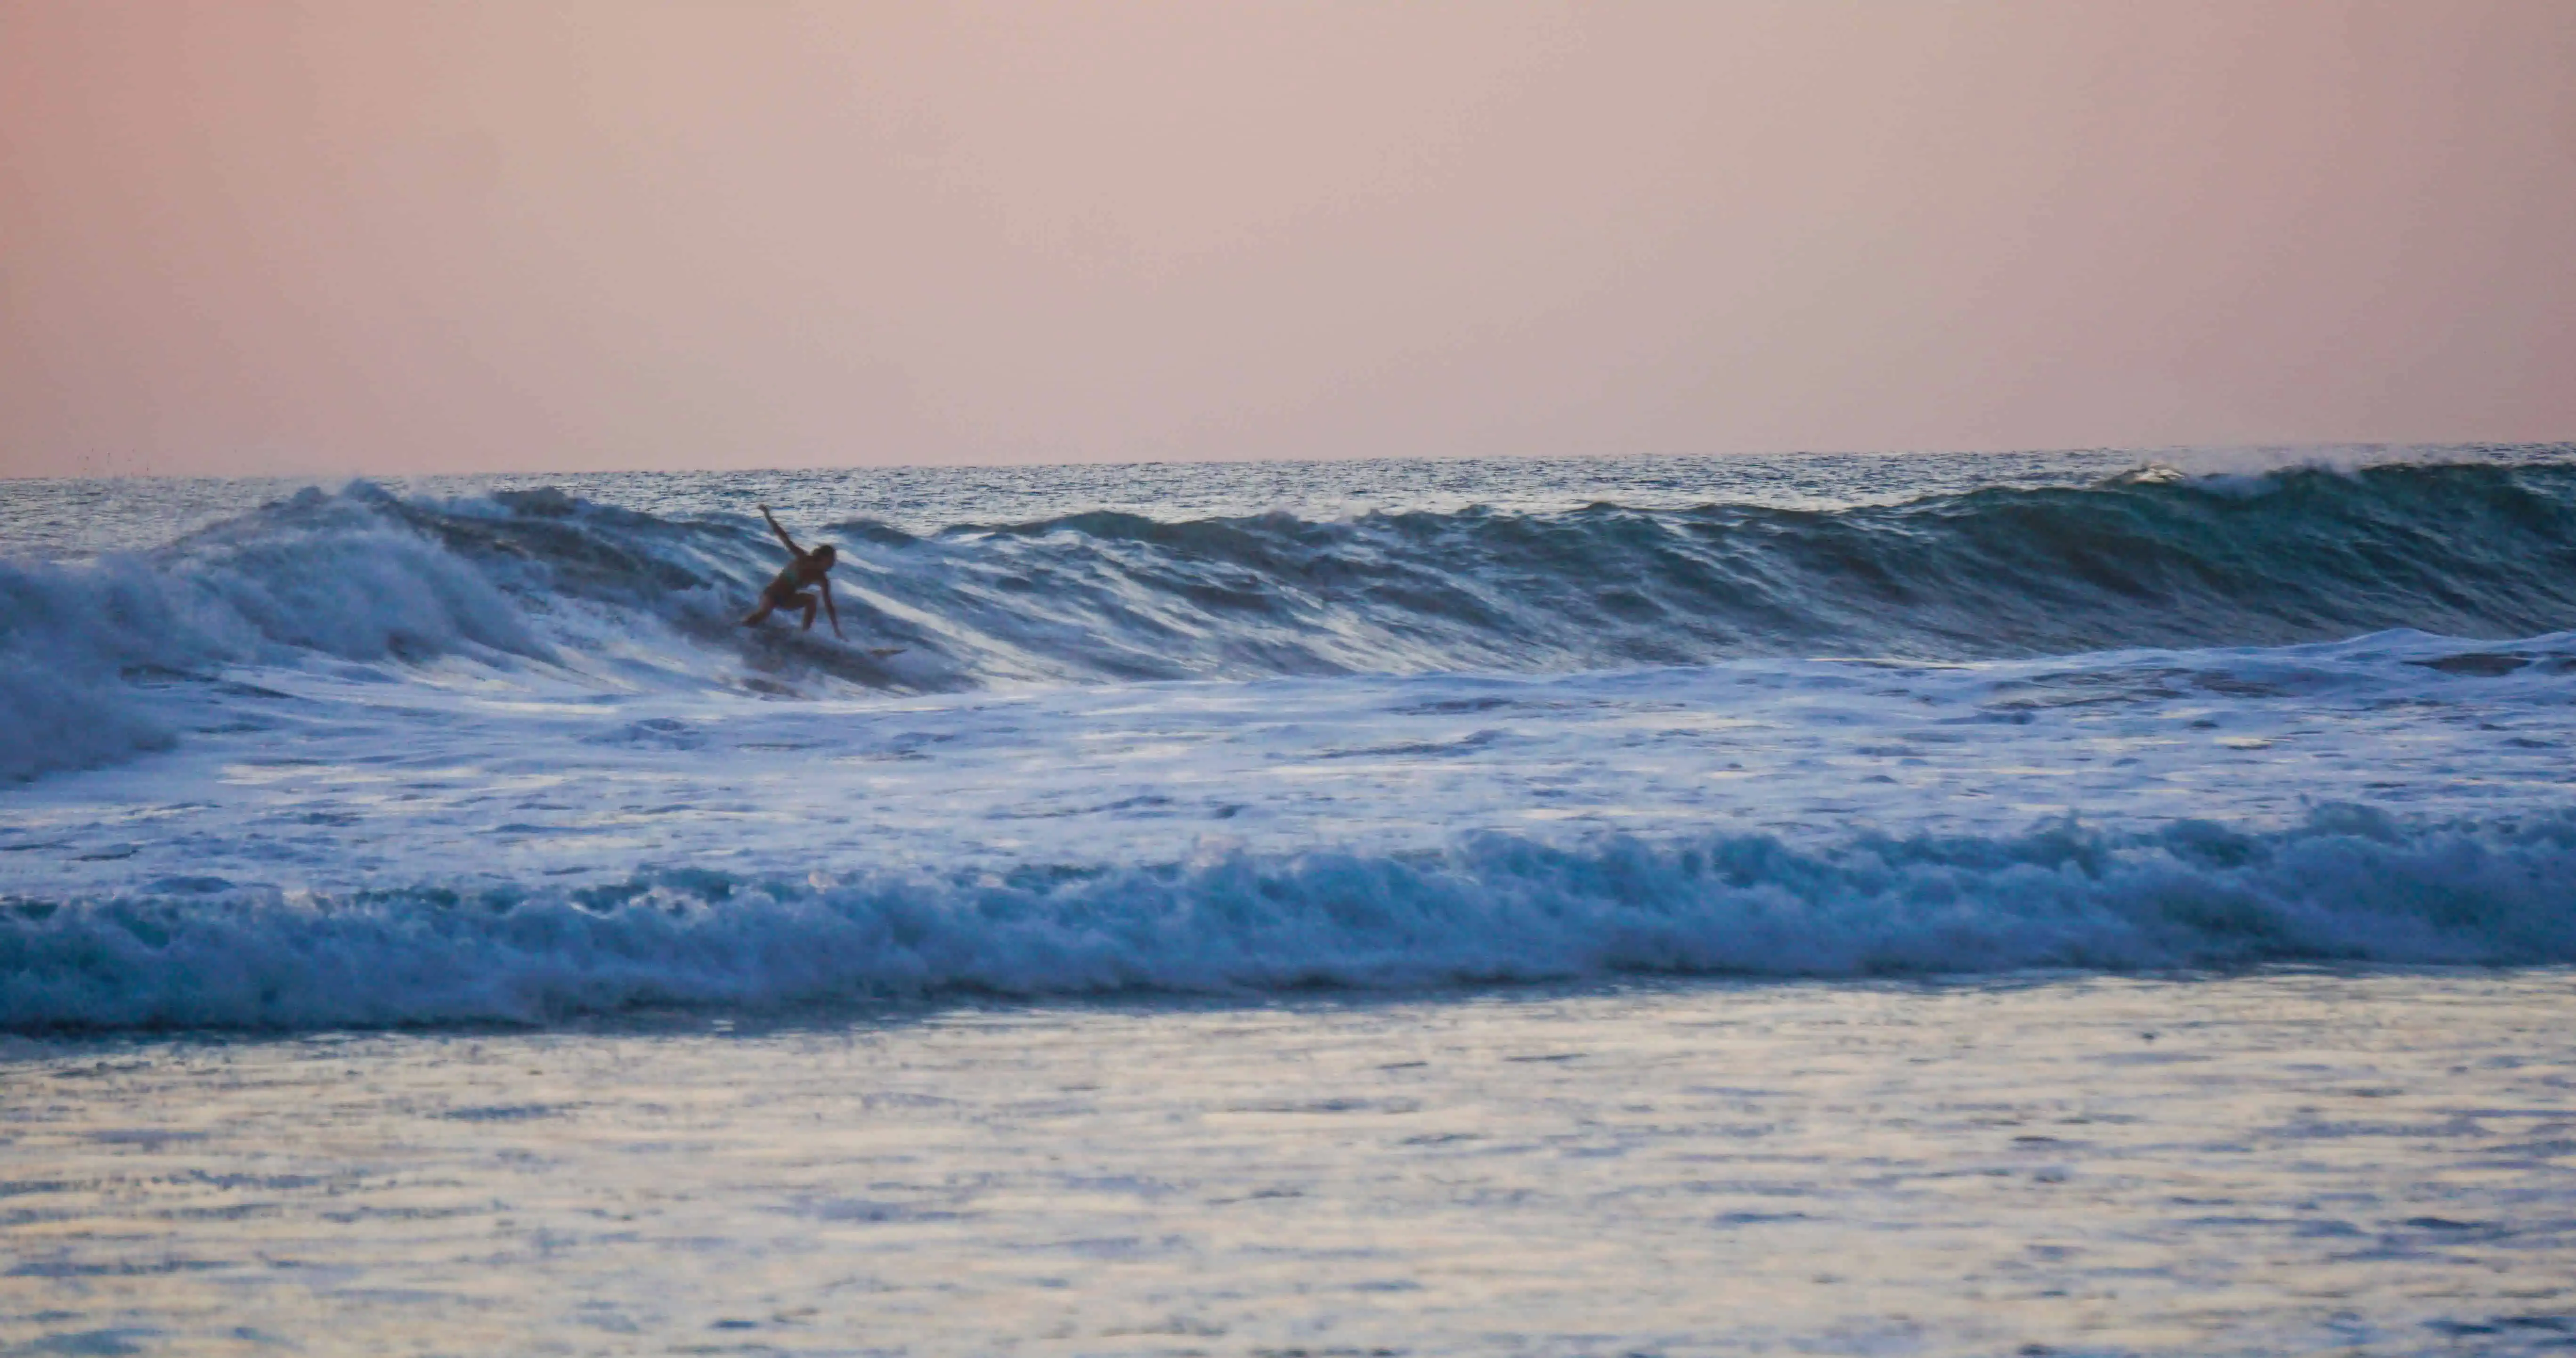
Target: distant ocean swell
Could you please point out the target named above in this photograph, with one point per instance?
(2348, 886)
(625, 599)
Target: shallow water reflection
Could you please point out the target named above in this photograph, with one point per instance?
(2272, 1163)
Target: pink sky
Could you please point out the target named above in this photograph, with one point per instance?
(242, 236)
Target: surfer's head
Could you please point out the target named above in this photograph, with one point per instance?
(823, 554)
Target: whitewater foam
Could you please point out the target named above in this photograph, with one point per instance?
(2347, 886)
(362, 852)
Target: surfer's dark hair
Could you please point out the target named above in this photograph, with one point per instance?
(824, 550)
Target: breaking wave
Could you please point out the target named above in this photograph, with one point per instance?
(2350, 885)
(626, 599)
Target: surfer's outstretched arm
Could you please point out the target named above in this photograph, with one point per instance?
(788, 542)
(826, 582)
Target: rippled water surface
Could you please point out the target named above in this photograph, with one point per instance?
(64, 517)
(2276, 1163)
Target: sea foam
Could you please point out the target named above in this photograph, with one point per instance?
(2349, 885)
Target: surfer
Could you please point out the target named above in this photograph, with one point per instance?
(788, 590)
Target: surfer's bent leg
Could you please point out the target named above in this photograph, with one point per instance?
(775, 598)
(809, 604)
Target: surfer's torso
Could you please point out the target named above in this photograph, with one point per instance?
(803, 571)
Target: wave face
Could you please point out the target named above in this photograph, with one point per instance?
(2305, 555)
(624, 598)
(2349, 885)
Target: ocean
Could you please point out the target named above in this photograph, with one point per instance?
(2102, 902)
